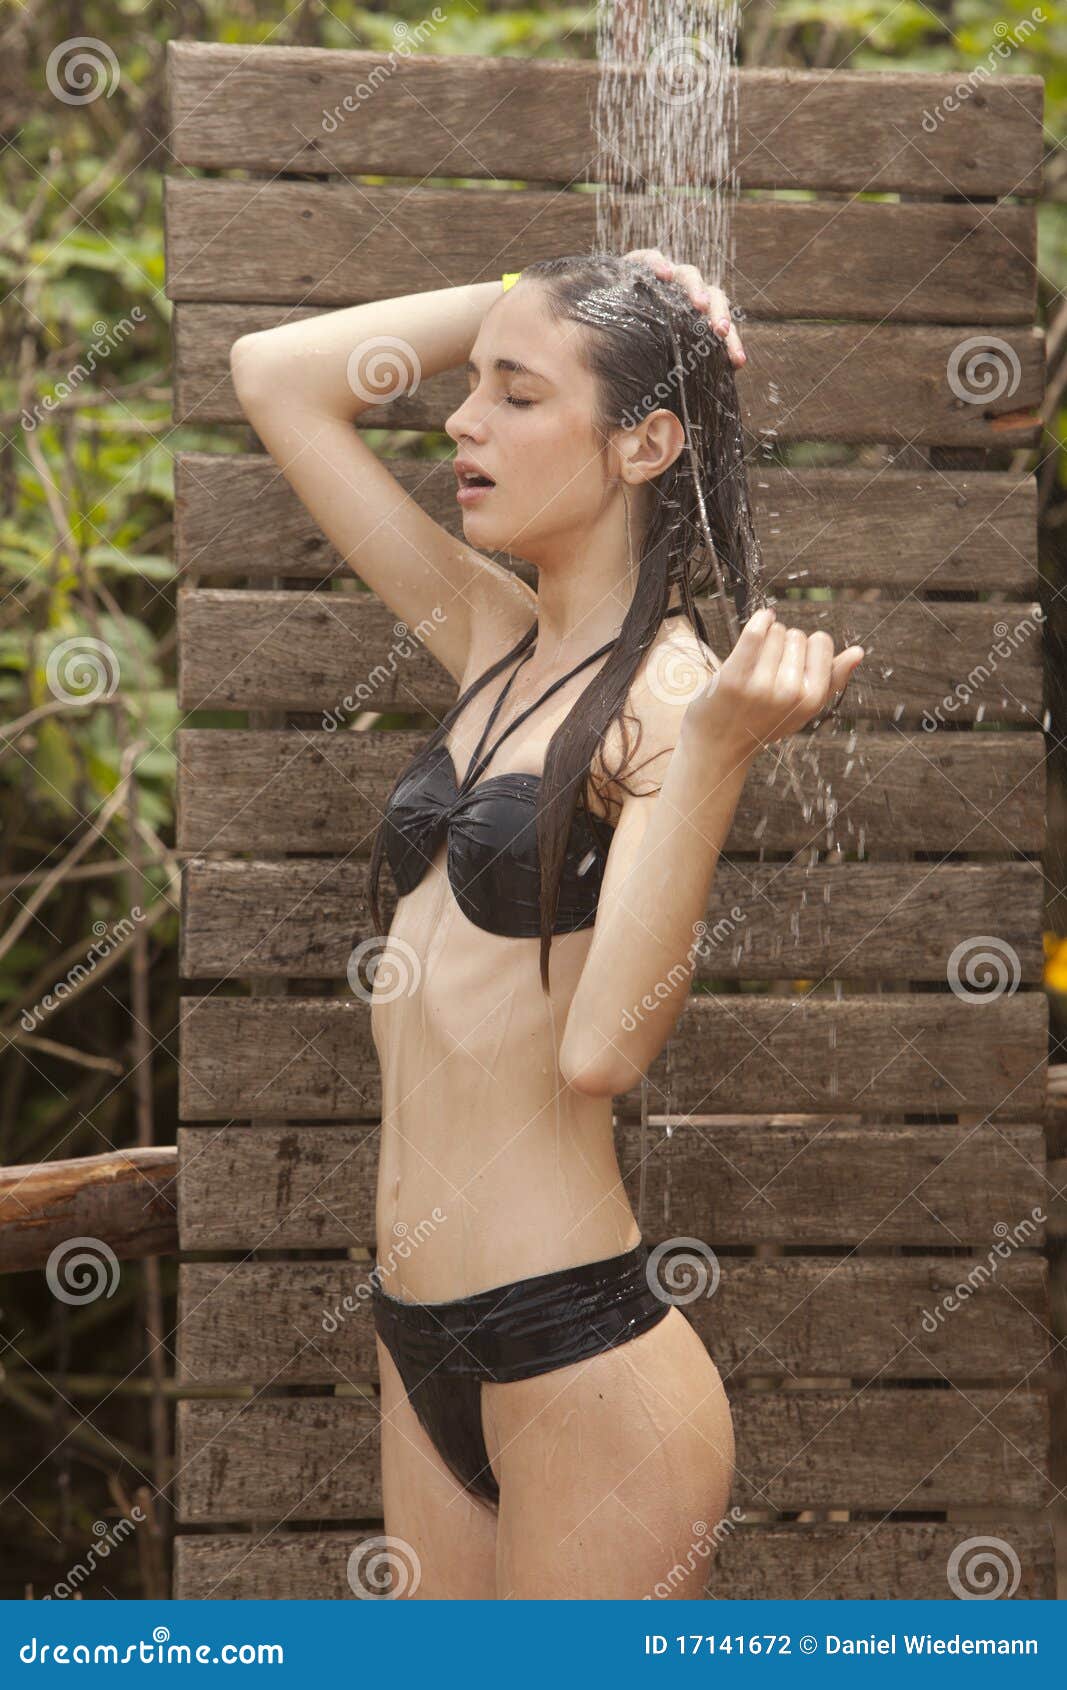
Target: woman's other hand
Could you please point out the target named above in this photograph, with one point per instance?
(703, 295)
(774, 681)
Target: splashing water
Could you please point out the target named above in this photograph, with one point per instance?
(666, 123)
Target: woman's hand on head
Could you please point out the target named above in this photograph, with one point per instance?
(703, 295)
(774, 681)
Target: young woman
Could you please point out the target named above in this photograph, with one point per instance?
(551, 1423)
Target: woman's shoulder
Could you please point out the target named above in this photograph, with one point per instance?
(675, 669)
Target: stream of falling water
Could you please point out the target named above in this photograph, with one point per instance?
(666, 124)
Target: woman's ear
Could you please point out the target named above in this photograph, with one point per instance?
(654, 445)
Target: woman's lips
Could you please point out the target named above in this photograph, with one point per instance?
(471, 495)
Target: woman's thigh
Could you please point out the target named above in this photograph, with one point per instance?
(442, 1531)
(613, 1472)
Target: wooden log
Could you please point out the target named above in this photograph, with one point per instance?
(303, 109)
(126, 1198)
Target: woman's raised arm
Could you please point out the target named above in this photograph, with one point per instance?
(635, 979)
(302, 385)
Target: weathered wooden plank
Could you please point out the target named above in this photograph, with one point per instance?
(926, 663)
(963, 1317)
(322, 792)
(737, 1180)
(900, 530)
(907, 1447)
(887, 382)
(314, 1058)
(312, 244)
(906, 1560)
(302, 109)
(765, 921)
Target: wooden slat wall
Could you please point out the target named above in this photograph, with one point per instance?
(741, 1180)
(905, 263)
(813, 381)
(836, 1227)
(263, 109)
(259, 650)
(904, 531)
(847, 1562)
(314, 1058)
(765, 921)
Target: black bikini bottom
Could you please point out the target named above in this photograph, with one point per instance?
(443, 1351)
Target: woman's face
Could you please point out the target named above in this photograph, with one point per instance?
(531, 430)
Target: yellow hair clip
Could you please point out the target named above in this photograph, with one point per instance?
(509, 279)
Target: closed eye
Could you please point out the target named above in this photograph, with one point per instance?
(520, 402)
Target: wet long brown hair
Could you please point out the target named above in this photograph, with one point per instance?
(648, 348)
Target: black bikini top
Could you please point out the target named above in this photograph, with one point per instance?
(493, 860)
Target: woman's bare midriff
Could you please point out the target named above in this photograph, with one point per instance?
(491, 1168)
